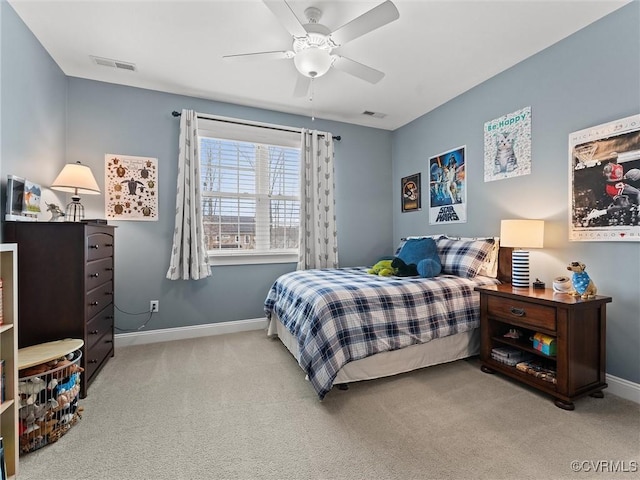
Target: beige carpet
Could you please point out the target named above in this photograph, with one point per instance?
(238, 407)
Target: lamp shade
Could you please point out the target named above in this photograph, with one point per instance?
(522, 233)
(312, 62)
(76, 178)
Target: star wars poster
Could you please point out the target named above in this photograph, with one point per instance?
(411, 198)
(507, 146)
(131, 187)
(448, 187)
(604, 176)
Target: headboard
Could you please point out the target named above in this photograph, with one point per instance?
(504, 264)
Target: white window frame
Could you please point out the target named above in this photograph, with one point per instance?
(258, 133)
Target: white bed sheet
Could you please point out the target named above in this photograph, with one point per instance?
(384, 364)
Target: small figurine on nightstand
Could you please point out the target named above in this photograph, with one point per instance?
(56, 212)
(583, 286)
(538, 284)
(513, 333)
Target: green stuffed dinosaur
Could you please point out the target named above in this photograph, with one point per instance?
(383, 268)
(394, 267)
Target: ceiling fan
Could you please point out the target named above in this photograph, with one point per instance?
(313, 43)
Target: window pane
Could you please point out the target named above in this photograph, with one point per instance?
(250, 196)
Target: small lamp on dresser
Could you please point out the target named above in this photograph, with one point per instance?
(76, 178)
(521, 235)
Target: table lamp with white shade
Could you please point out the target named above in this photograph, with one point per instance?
(521, 235)
(76, 178)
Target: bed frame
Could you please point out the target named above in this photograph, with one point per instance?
(384, 364)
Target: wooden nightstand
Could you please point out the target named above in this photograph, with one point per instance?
(578, 327)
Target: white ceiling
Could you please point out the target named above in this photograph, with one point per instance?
(435, 51)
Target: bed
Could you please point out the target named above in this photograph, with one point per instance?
(345, 325)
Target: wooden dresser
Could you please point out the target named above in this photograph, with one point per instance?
(66, 287)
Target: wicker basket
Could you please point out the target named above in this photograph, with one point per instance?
(49, 396)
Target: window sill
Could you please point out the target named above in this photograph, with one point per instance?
(251, 259)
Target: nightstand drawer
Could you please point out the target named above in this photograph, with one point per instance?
(533, 315)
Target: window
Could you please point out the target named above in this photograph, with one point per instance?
(250, 192)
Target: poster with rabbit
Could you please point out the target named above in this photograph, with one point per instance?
(131, 187)
(604, 176)
(507, 146)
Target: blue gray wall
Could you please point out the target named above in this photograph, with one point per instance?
(590, 78)
(33, 96)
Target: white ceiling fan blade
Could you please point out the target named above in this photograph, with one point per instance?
(283, 12)
(278, 55)
(356, 69)
(302, 86)
(375, 18)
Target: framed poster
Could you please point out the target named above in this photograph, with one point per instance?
(448, 187)
(507, 146)
(131, 185)
(411, 197)
(23, 200)
(604, 182)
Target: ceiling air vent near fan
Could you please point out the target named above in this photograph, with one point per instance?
(107, 62)
(369, 113)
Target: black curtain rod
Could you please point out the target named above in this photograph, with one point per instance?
(177, 114)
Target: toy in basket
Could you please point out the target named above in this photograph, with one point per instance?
(48, 396)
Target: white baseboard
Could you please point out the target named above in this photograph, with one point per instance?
(617, 386)
(623, 388)
(182, 333)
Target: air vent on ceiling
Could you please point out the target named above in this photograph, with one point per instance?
(107, 62)
(374, 114)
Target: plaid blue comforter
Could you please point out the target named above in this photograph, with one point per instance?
(340, 315)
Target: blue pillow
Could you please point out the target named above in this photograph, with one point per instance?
(416, 249)
(429, 267)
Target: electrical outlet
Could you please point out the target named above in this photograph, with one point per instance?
(154, 306)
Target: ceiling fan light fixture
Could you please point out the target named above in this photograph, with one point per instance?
(313, 62)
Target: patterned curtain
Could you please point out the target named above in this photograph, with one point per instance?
(318, 235)
(188, 254)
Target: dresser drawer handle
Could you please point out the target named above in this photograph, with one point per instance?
(93, 361)
(108, 244)
(93, 304)
(518, 312)
(95, 247)
(94, 275)
(94, 332)
(108, 341)
(109, 269)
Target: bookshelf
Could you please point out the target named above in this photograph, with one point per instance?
(8, 353)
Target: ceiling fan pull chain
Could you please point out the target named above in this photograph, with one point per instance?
(313, 117)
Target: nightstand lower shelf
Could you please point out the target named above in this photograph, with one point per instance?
(562, 401)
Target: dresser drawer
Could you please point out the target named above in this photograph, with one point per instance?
(528, 314)
(99, 272)
(97, 355)
(99, 245)
(99, 325)
(98, 298)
